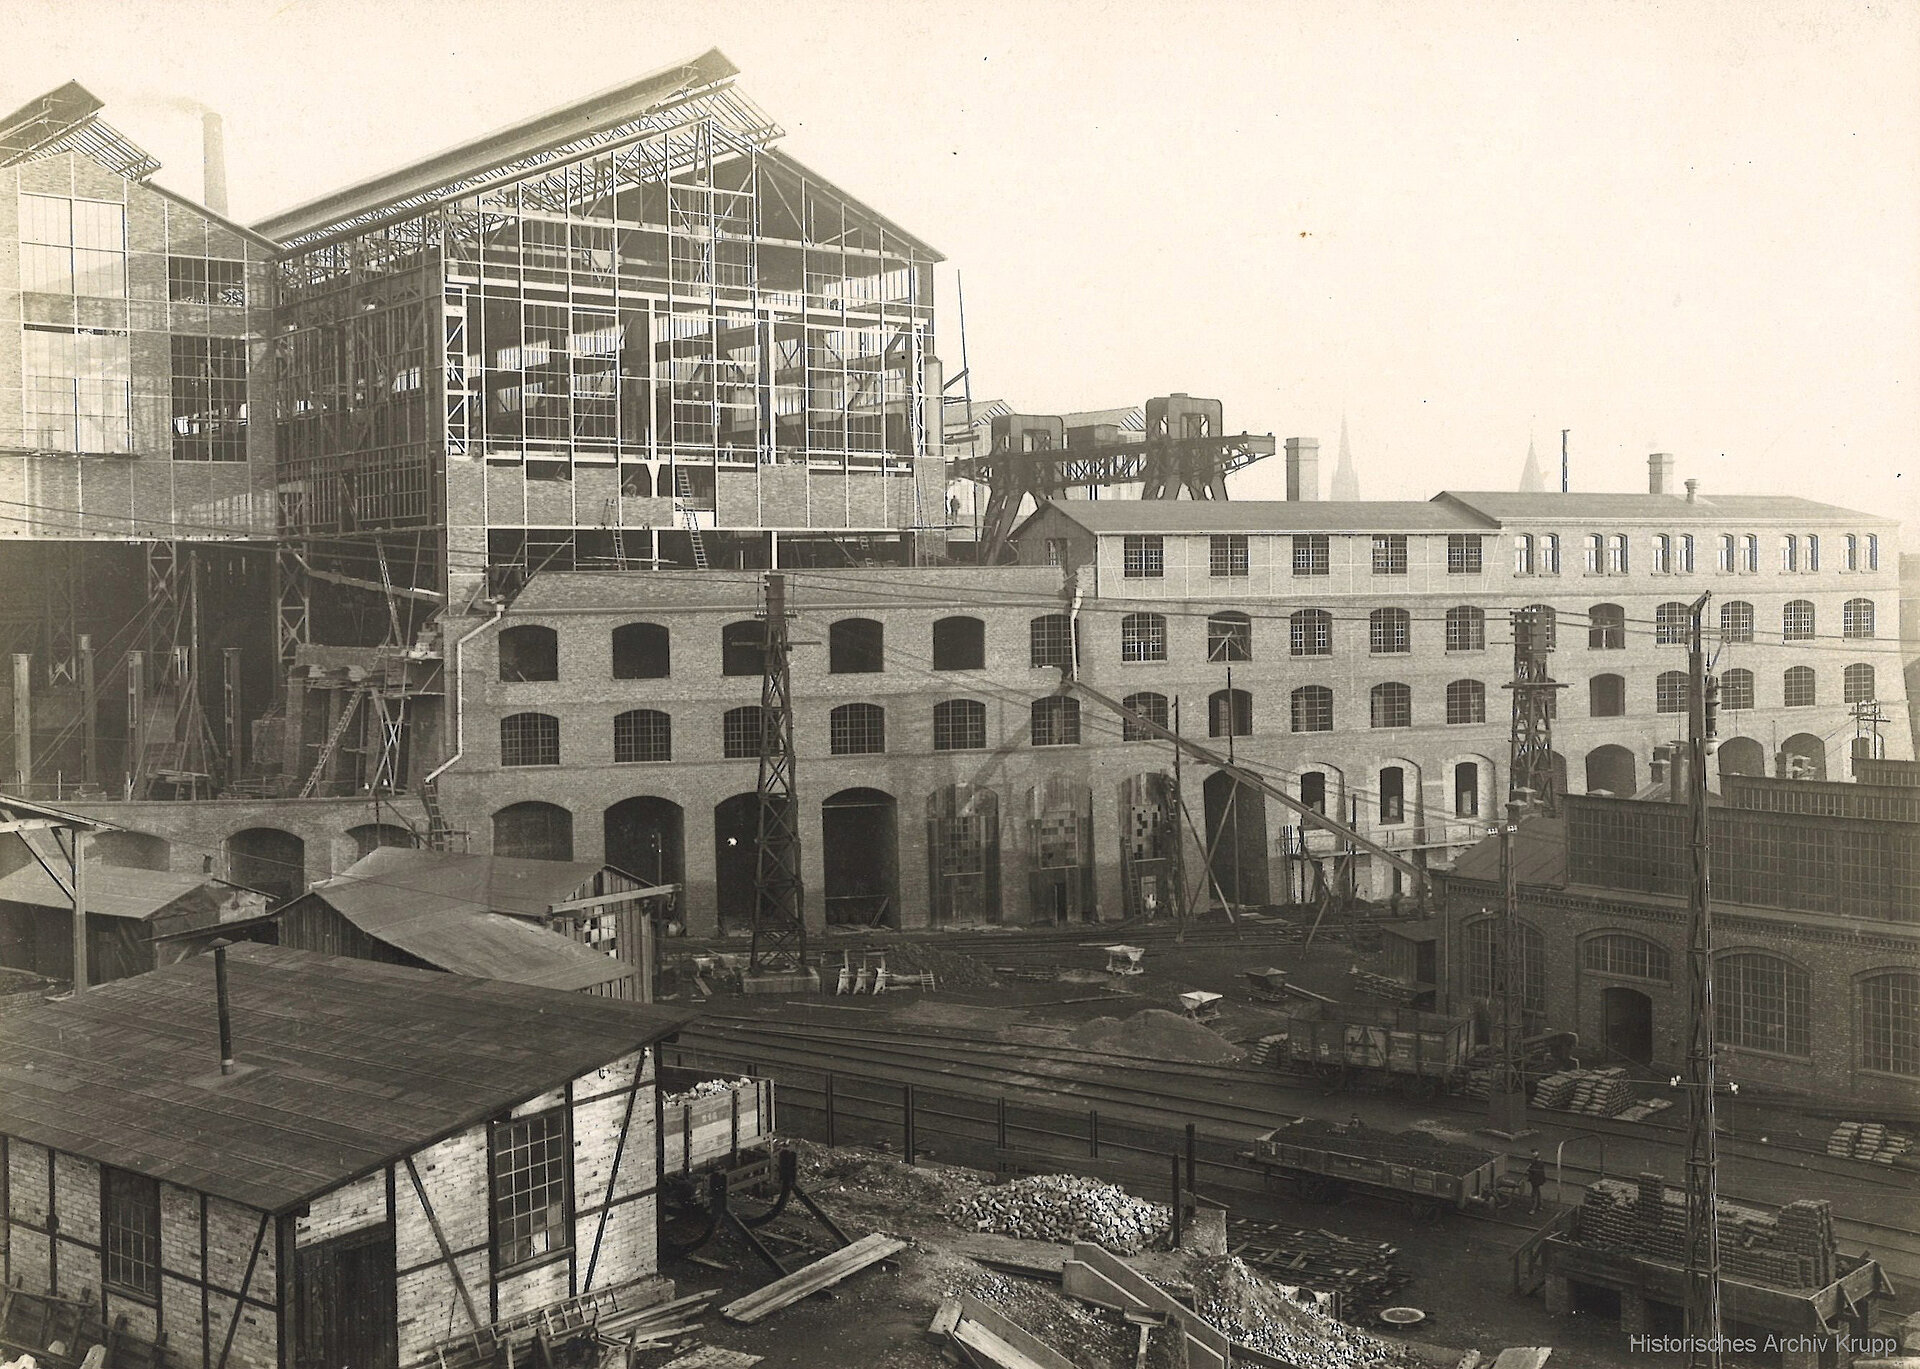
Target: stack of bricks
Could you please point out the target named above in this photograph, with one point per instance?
(1379, 986)
(1793, 1248)
(1868, 1141)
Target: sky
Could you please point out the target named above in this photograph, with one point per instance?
(1689, 226)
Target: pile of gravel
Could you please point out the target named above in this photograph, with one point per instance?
(1156, 1034)
(1259, 1313)
(1065, 1208)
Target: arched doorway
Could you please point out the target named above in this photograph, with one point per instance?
(1626, 1024)
(1742, 756)
(736, 837)
(645, 837)
(270, 860)
(1236, 839)
(1149, 846)
(533, 831)
(963, 854)
(1610, 769)
(860, 849)
(131, 850)
(1803, 756)
(370, 837)
(1060, 817)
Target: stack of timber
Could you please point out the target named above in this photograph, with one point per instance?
(1381, 986)
(1597, 1093)
(985, 1336)
(806, 1281)
(1868, 1141)
(1356, 1276)
(1792, 1247)
(30, 1323)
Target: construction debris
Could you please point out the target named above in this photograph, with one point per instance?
(1156, 1034)
(1355, 1276)
(1274, 1319)
(984, 1333)
(805, 1282)
(1065, 1207)
(1868, 1141)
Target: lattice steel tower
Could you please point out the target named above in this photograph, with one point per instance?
(1530, 764)
(779, 898)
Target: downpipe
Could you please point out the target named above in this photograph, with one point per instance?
(460, 693)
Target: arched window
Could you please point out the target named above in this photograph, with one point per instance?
(1789, 552)
(1873, 551)
(641, 651)
(1310, 632)
(1596, 553)
(529, 739)
(1152, 707)
(1750, 554)
(1466, 702)
(1482, 939)
(1857, 683)
(1797, 621)
(1606, 628)
(743, 650)
(856, 646)
(1056, 721)
(1763, 1003)
(1736, 689)
(1683, 554)
(1546, 625)
(1392, 705)
(1051, 638)
(1726, 561)
(1313, 790)
(740, 733)
(642, 734)
(959, 643)
(1550, 553)
(1389, 631)
(1672, 624)
(1313, 709)
(1607, 696)
(529, 652)
(533, 831)
(959, 725)
(1856, 619)
(1798, 687)
(1229, 636)
(1620, 955)
(1393, 793)
(1523, 554)
(1736, 621)
(1670, 692)
(1813, 551)
(1466, 789)
(1143, 637)
(1466, 628)
(1853, 551)
(1229, 713)
(1617, 563)
(857, 730)
(1890, 1022)
(1662, 553)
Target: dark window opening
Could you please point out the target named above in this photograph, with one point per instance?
(529, 653)
(1229, 713)
(1056, 721)
(1152, 707)
(959, 644)
(641, 651)
(130, 1224)
(1466, 790)
(1607, 696)
(1393, 794)
(1229, 636)
(1313, 790)
(743, 650)
(856, 646)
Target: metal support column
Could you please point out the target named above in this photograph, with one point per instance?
(136, 757)
(230, 710)
(23, 721)
(89, 717)
(1703, 1224)
(779, 898)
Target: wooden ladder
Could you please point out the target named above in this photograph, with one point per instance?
(683, 496)
(332, 742)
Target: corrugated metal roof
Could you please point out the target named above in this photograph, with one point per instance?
(346, 1066)
(1539, 855)
(111, 890)
(1552, 506)
(1267, 515)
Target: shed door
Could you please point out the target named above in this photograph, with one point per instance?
(346, 1303)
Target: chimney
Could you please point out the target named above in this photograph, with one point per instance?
(220, 945)
(1659, 472)
(1303, 468)
(213, 166)
(1693, 491)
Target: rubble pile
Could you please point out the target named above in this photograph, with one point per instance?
(950, 969)
(1382, 986)
(1358, 1276)
(1868, 1141)
(1790, 1248)
(1065, 1208)
(707, 1088)
(1156, 1034)
(1263, 1316)
(1598, 1093)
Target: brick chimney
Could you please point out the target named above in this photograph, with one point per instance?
(1660, 473)
(1303, 468)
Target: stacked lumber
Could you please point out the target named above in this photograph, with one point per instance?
(1268, 1050)
(1355, 1276)
(1872, 1141)
(1597, 1093)
(648, 1328)
(1792, 1247)
(806, 1281)
(1381, 986)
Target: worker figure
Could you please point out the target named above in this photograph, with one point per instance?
(1355, 1124)
(1536, 1179)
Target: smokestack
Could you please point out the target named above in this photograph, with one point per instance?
(1303, 468)
(213, 166)
(220, 945)
(1659, 472)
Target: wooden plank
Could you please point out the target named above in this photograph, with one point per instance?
(992, 1348)
(804, 1282)
(1032, 1350)
(1523, 1357)
(945, 1318)
(714, 1357)
(581, 905)
(446, 1251)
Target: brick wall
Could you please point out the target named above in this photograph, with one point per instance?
(454, 1176)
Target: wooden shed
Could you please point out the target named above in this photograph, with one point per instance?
(400, 1159)
(137, 920)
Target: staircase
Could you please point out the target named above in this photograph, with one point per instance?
(683, 497)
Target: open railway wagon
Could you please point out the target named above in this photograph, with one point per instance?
(1421, 1054)
(1325, 1160)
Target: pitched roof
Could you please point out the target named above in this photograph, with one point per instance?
(1580, 507)
(1264, 515)
(392, 882)
(116, 892)
(1539, 855)
(346, 1065)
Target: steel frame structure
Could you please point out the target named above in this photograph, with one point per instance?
(779, 895)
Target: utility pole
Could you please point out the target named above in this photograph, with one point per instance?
(1507, 1101)
(779, 899)
(1530, 777)
(1703, 1224)
(1179, 834)
(1566, 485)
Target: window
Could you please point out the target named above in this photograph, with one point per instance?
(529, 653)
(1736, 621)
(1056, 721)
(1546, 625)
(1873, 551)
(1796, 621)
(1389, 553)
(641, 651)
(1853, 551)
(1152, 707)
(1393, 794)
(1813, 551)
(856, 646)
(209, 399)
(531, 830)
(1310, 632)
(1227, 556)
(1550, 554)
(743, 649)
(1672, 624)
(1392, 705)
(1683, 554)
(1229, 713)
(1466, 789)
(1617, 563)
(130, 1227)
(960, 725)
(1607, 696)
(1606, 628)
(204, 280)
(1750, 554)
(1466, 629)
(1857, 683)
(531, 1164)
(1466, 702)
(1482, 976)
(1596, 553)
(1798, 687)
(1890, 1022)
(1523, 554)
(1662, 554)
(1229, 636)
(642, 734)
(1789, 552)
(1313, 790)
(1311, 554)
(1388, 631)
(1670, 692)
(1726, 558)
(1313, 709)
(1143, 637)
(857, 730)
(1143, 556)
(1052, 641)
(1059, 551)
(1622, 956)
(1463, 553)
(959, 644)
(1765, 1004)
(73, 247)
(529, 739)
(79, 394)
(1736, 689)
(740, 733)
(1856, 618)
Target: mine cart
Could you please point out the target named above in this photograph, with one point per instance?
(1422, 1054)
(1327, 1159)
(708, 1119)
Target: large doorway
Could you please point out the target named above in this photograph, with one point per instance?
(270, 860)
(1626, 1024)
(736, 838)
(1149, 846)
(644, 838)
(1237, 839)
(859, 846)
(346, 1308)
(1742, 756)
(1610, 770)
(963, 854)
(1803, 756)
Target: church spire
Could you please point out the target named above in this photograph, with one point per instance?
(1530, 478)
(1346, 485)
